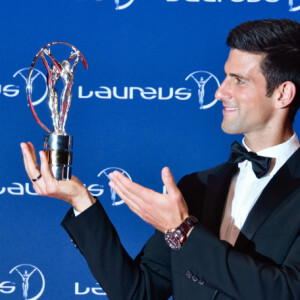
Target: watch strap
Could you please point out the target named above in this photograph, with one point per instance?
(187, 224)
(180, 232)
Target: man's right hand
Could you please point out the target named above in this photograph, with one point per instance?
(71, 191)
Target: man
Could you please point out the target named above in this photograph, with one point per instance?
(246, 241)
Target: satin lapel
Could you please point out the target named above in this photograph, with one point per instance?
(217, 189)
(282, 184)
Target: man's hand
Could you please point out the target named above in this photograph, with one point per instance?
(163, 211)
(71, 191)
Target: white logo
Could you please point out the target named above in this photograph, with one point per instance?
(9, 90)
(202, 78)
(20, 189)
(132, 92)
(97, 290)
(292, 8)
(38, 73)
(219, 1)
(26, 272)
(120, 7)
(17, 189)
(291, 2)
(116, 200)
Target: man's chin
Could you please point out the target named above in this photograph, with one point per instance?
(230, 129)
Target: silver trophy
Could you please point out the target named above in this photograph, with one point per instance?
(58, 145)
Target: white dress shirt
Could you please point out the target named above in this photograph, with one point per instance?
(245, 187)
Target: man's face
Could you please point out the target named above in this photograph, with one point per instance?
(247, 110)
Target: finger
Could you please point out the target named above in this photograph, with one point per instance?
(141, 207)
(123, 193)
(25, 155)
(129, 187)
(32, 150)
(169, 181)
(131, 201)
(32, 169)
(45, 168)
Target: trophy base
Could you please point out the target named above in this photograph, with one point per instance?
(58, 149)
(61, 172)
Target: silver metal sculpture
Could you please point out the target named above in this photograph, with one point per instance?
(57, 143)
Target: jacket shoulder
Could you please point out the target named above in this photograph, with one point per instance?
(200, 176)
(194, 186)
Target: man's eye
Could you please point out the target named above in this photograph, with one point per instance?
(238, 80)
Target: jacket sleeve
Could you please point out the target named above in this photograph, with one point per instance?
(148, 276)
(267, 269)
(238, 275)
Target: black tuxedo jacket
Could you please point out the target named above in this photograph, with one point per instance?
(263, 264)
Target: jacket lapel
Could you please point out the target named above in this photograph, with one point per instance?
(286, 180)
(215, 199)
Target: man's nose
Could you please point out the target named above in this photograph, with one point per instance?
(224, 91)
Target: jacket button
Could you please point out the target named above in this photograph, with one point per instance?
(188, 274)
(201, 281)
(195, 278)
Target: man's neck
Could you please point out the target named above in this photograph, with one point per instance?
(259, 142)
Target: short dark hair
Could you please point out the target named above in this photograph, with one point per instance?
(279, 40)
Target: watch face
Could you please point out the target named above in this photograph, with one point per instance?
(172, 240)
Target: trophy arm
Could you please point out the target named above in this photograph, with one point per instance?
(73, 55)
(76, 60)
(55, 62)
(79, 55)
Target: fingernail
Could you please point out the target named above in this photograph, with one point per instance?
(111, 175)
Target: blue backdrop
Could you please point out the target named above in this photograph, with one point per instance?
(137, 109)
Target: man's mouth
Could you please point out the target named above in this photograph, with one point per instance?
(230, 108)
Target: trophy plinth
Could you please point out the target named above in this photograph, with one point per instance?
(58, 149)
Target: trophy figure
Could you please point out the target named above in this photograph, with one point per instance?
(58, 145)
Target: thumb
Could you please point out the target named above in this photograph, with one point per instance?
(169, 181)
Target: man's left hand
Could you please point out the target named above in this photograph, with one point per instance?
(163, 211)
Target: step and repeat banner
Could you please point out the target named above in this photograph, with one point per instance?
(146, 101)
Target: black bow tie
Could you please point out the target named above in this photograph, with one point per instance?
(260, 164)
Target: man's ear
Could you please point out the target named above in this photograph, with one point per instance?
(285, 94)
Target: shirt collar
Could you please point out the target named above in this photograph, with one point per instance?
(280, 153)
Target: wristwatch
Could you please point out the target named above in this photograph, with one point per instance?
(176, 237)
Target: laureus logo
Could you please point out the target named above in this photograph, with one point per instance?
(292, 7)
(103, 175)
(122, 6)
(33, 281)
(203, 79)
(37, 75)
